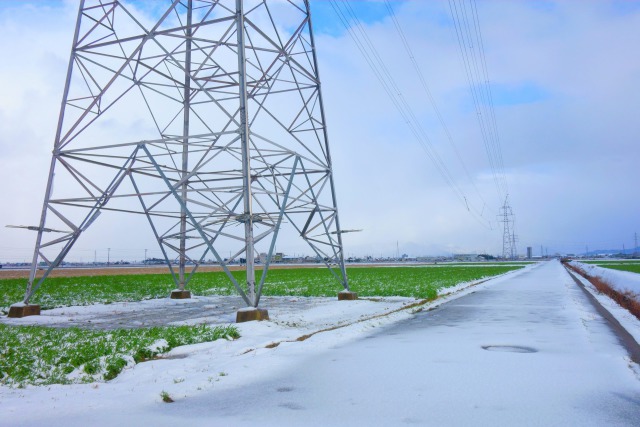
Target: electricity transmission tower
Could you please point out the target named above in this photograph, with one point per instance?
(508, 235)
(207, 120)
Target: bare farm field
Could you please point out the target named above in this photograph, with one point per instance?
(120, 271)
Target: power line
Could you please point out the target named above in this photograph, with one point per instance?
(471, 47)
(368, 50)
(431, 99)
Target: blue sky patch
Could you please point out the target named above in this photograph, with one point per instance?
(522, 93)
(325, 20)
(625, 7)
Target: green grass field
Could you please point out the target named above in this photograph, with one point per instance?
(622, 265)
(634, 268)
(612, 261)
(414, 281)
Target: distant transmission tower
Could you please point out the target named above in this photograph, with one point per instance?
(209, 122)
(508, 235)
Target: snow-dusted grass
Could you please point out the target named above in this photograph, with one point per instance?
(630, 265)
(417, 282)
(40, 356)
(71, 291)
(633, 268)
(412, 281)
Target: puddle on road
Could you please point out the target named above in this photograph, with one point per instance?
(291, 405)
(510, 348)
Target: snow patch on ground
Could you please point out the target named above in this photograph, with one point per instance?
(298, 326)
(159, 346)
(626, 319)
(620, 280)
(578, 376)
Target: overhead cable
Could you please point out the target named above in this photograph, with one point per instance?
(368, 50)
(471, 46)
(431, 99)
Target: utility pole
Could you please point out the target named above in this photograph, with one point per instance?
(145, 257)
(635, 244)
(108, 256)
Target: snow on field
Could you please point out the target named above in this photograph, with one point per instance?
(230, 375)
(191, 370)
(621, 280)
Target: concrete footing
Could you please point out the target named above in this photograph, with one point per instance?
(247, 315)
(18, 311)
(347, 296)
(178, 294)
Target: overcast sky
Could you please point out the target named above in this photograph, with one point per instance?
(566, 81)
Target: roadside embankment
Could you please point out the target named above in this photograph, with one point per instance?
(624, 297)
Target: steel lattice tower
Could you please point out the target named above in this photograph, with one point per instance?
(229, 141)
(508, 235)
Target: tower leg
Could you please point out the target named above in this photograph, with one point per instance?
(347, 296)
(24, 310)
(180, 294)
(251, 313)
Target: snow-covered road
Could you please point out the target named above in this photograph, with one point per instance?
(434, 369)
(523, 350)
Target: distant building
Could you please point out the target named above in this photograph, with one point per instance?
(277, 257)
(467, 257)
(529, 252)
